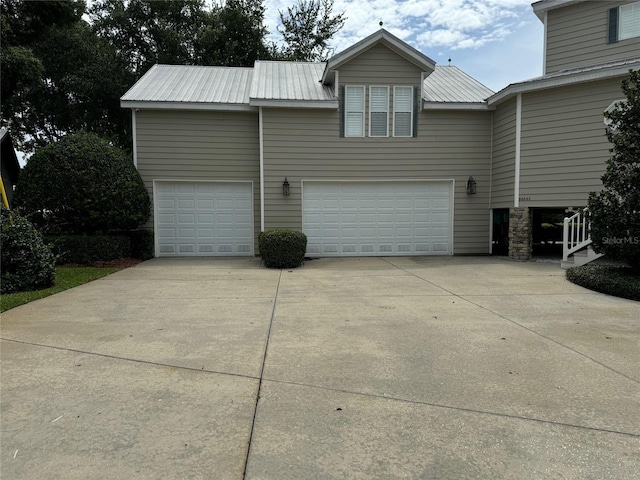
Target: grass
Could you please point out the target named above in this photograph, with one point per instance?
(66, 278)
(615, 281)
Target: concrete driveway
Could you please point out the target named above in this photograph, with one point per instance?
(366, 368)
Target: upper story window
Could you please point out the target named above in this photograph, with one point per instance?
(402, 111)
(354, 111)
(624, 22)
(356, 107)
(378, 111)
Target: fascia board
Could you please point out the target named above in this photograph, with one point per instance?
(329, 104)
(456, 106)
(233, 107)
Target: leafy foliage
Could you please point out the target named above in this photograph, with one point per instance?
(27, 263)
(142, 244)
(615, 211)
(49, 92)
(282, 248)
(307, 28)
(615, 281)
(88, 249)
(82, 185)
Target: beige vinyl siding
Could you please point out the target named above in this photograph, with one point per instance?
(305, 145)
(379, 66)
(504, 152)
(577, 35)
(564, 148)
(196, 145)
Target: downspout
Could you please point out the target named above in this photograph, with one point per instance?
(516, 183)
(261, 170)
(134, 137)
(544, 46)
(491, 186)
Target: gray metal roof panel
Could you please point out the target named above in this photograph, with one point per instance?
(450, 84)
(291, 81)
(192, 84)
(568, 77)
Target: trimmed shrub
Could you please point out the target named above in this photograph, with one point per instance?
(616, 281)
(82, 185)
(142, 244)
(27, 263)
(85, 249)
(282, 248)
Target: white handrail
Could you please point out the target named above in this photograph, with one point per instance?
(576, 233)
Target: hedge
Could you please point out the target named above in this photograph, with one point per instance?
(615, 281)
(282, 248)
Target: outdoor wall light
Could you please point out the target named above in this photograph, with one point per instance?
(285, 187)
(471, 186)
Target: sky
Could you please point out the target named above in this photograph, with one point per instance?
(497, 42)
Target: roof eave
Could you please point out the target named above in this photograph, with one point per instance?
(151, 105)
(263, 102)
(483, 106)
(543, 84)
(543, 6)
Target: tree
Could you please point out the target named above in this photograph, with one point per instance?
(615, 211)
(145, 32)
(234, 35)
(82, 185)
(307, 28)
(50, 91)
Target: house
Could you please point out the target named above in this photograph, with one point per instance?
(9, 163)
(379, 151)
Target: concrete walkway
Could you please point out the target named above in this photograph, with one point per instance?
(379, 368)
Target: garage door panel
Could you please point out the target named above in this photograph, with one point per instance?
(204, 218)
(377, 218)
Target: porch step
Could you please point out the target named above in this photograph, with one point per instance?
(581, 257)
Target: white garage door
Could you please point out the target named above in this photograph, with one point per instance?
(203, 218)
(377, 218)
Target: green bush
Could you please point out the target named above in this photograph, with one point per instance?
(142, 244)
(82, 185)
(282, 248)
(27, 263)
(617, 281)
(87, 249)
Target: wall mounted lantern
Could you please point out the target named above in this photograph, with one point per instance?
(285, 187)
(471, 186)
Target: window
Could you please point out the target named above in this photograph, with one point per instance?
(378, 111)
(402, 111)
(354, 111)
(624, 22)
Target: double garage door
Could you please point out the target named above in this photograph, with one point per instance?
(377, 218)
(203, 218)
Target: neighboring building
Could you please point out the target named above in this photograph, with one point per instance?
(382, 151)
(9, 163)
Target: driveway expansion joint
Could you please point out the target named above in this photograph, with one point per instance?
(452, 407)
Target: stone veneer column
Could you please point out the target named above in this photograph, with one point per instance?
(520, 233)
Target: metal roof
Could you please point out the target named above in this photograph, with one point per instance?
(192, 84)
(289, 81)
(571, 76)
(450, 84)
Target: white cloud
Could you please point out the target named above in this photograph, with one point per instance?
(461, 29)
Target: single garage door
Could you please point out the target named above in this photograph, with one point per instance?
(377, 218)
(203, 218)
